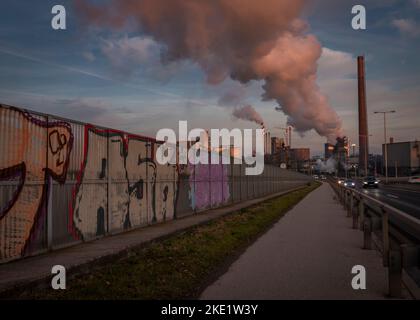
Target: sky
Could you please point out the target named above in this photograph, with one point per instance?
(117, 78)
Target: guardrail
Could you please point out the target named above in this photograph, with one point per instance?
(398, 234)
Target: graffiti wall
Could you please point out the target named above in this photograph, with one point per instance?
(62, 182)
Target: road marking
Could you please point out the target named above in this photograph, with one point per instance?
(392, 196)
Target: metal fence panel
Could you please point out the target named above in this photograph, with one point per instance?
(24, 189)
(62, 182)
(184, 190)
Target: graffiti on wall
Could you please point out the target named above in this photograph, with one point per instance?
(139, 191)
(33, 151)
(111, 182)
(209, 185)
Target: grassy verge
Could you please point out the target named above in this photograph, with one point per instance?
(182, 265)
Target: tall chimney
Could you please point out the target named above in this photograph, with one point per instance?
(363, 125)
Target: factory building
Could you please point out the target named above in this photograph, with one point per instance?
(403, 158)
(300, 159)
(300, 154)
(267, 143)
(339, 152)
(328, 150)
(276, 145)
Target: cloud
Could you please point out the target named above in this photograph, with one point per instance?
(89, 56)
(416, 3)
(126, 53)
(232, 97)
(248, 113)
(407, 27)
(94, 110)
(335, 64)
(221, 38)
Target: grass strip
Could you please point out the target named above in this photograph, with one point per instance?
(182, 265)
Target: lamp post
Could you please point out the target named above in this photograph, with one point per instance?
(385, 146)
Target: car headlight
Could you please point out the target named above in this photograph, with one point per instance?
(376, 182)
(364, 182)
(352, 184)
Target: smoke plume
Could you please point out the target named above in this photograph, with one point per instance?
(242, 39)
(248, 113)
(328, 166)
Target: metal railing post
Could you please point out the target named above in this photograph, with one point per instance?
(394, 274)
(355, 212)
(385, 237)
(409, 255)
(344, 197)
(350, 205)
(367, 234)
(361, 213)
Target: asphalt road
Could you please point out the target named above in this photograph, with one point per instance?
(401, 196)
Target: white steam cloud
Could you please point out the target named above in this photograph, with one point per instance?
(248, 113)
(242, 39)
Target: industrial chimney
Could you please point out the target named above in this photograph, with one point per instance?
(363, 124)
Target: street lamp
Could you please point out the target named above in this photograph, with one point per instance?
(385, 146)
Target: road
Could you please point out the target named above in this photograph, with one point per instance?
(401, 196)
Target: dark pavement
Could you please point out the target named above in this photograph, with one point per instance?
(308, 254)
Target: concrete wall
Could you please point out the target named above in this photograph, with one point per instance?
(63, 182)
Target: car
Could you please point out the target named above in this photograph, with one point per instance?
(415, 179)
(323, 177)
(315, 177)
(349, 183)
(340, 181)
(370, 182)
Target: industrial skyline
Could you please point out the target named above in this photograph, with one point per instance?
(222, 150)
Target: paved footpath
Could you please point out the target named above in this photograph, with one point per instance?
(308, 254)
